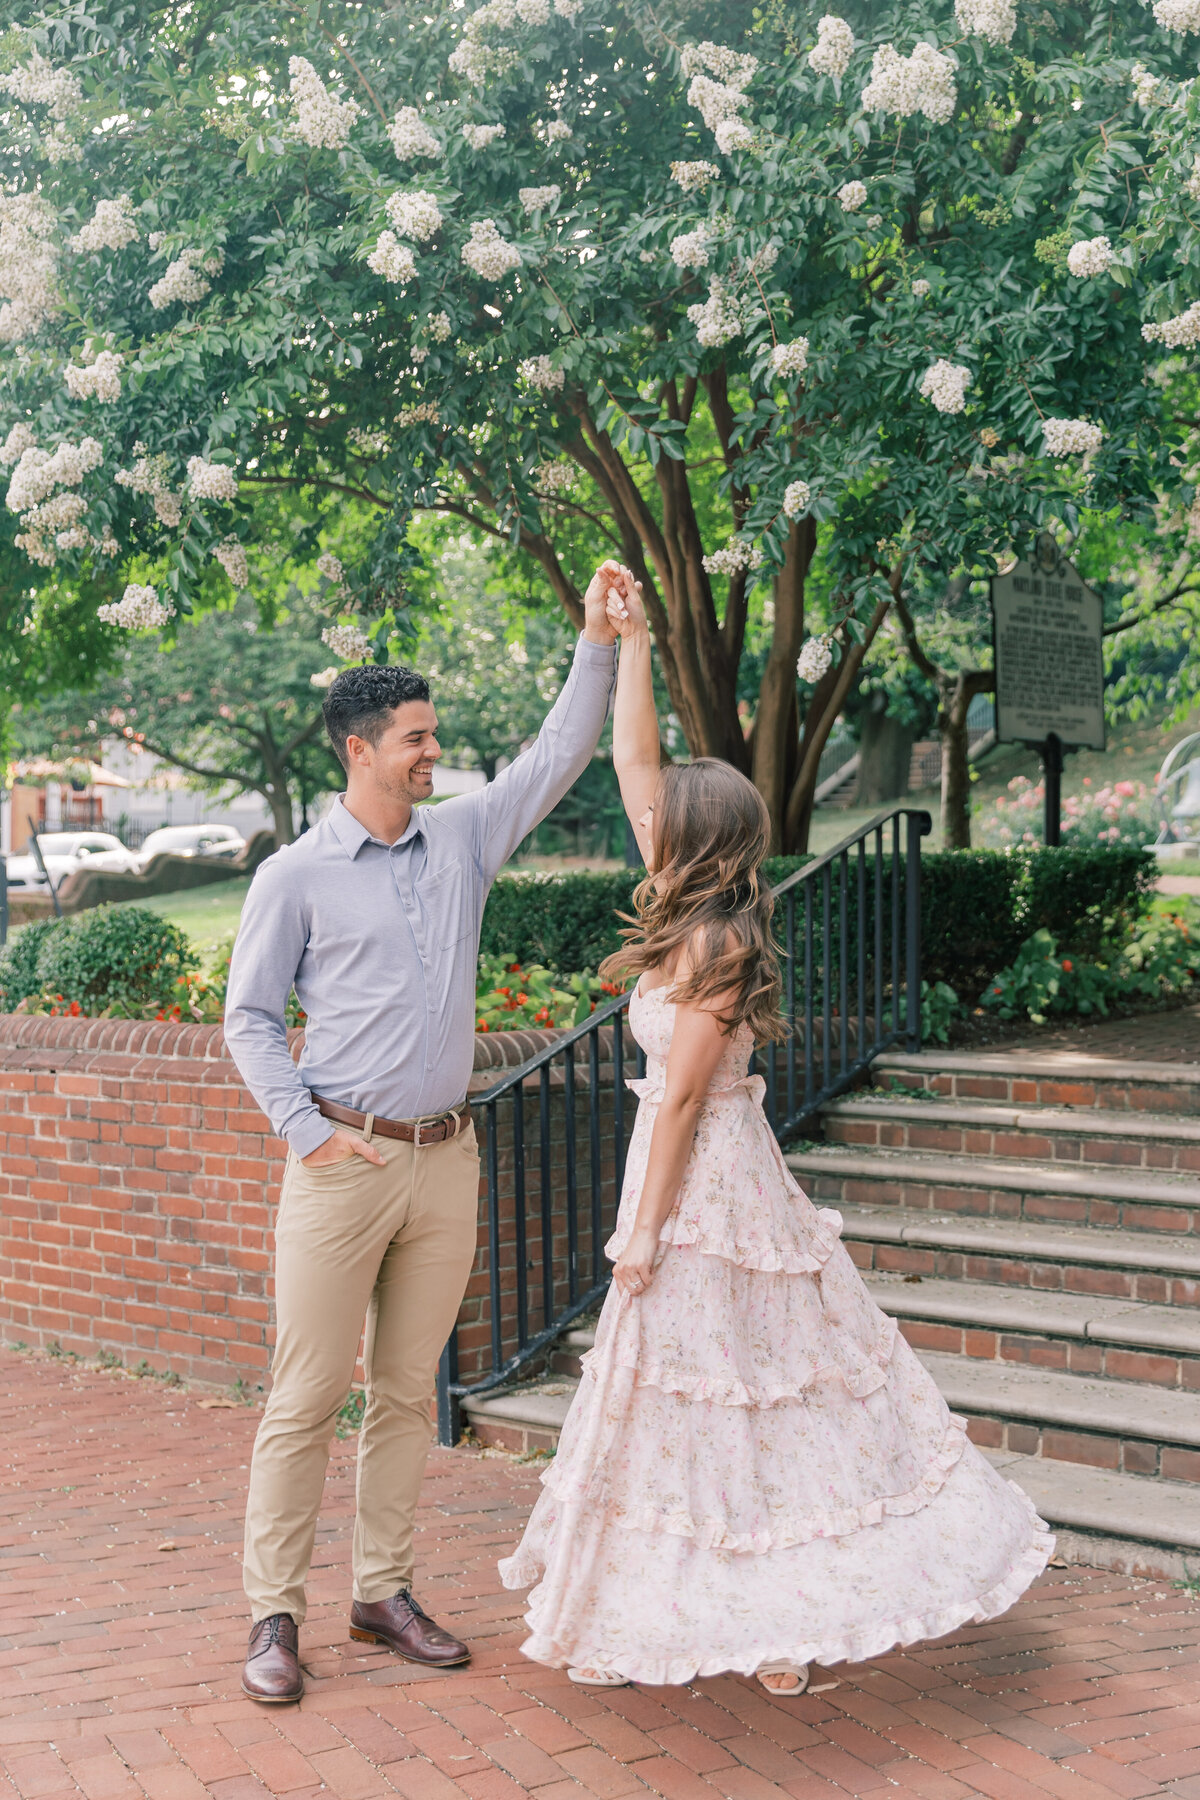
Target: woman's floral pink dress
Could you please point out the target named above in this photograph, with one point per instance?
(756, 1465)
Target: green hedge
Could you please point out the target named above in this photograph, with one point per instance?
(121, 959)
(977, 906)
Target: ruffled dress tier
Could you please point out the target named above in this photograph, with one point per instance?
(756, 1466)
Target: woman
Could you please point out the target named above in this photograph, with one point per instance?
(756, 1471)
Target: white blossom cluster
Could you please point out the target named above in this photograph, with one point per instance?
(539, 199)
(1177, 333)
(168, 509)
(44, 85)
(480, 136)
(1070, 437)
(1148, 88)
(873, 221)
(539, 372)
(834, 47)
(138, 609)
(324, 678)
(796, 496)
(717, 319)
(737, 556)
(789, 359)
(1177, 15)
(186, 279)
(488, 254)
(920, 83)
(210, 481)
(149, 474)
(411, 136)
(98, 380)
(39, 472)
(734, 134)
(19, 439)
(1192, 184)
(425, 412)
(58, 146)
(715, 101)
(554, 131)
(921, 287)
(475, 59)
(330, 567)
(392, 260)
(852, 195)
(349, 642)
(814, 659)
(737, 67)
(554, 477)
(233, 559)
(694, 177)
(946, 384)
(1090, 256)
(438, 325)
(27, 266)
(110, 227)
(415, 215)
(994, 20)
(692, 249)
(321, 121)
(367, 440)
(989, 437)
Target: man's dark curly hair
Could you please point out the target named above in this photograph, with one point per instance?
(361, 701)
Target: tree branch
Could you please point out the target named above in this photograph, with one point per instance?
(1176, 597)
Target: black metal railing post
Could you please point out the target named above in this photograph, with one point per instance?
(912, 930)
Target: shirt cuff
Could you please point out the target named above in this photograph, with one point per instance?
(308, 1133)
(599, 656)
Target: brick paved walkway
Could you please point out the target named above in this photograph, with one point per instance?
(123, 1629)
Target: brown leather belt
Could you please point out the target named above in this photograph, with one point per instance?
(410, 1131)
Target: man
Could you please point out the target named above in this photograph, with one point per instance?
(374, 918)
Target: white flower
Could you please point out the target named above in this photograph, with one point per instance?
(694, 177)
(39, 472)
(1177, 15)
(347, 641)
(922, 82)
(1090, 256)
(874, 221)
(734, 134)
(852, 195)
(414, 215)
(834, 47)
(1070, 437)
(183, 281)
(796, 496)
(692, 249)
(789, 359)
(19, 439)
(1148, 89)
(233, 559)
(138, 609)
(367, 440)
(539, 199)
(734, 558)
(555, 131)
(480, 136)
(487, 253)
(110, 227)
(100, 380)
(438, 325)
(210, 481)
(920, 287)
(1192, 184)
(714, 101)
(330, 567)
(717, 319)
(814, 659)
(411, 136)
(533, 12)
(325, 677)
(737, 67)
(392, 259)
(995, 20)
(44, 85)
(27, 266)
(1177, 333)
(568, 9)
(945, 383)
(168, 509)
(425, 412)
(554, 477)
(321, 121)
(539, 372)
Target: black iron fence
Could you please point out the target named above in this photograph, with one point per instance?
(554, 1131)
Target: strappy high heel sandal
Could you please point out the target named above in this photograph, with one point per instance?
(783, 1667)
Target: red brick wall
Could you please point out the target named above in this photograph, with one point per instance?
(137, 1189)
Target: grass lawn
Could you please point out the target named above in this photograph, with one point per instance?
(207, 914)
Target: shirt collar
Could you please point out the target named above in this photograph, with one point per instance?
(352, 834)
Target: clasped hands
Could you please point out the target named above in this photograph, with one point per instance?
(612, 605)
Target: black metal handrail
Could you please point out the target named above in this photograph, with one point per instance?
(850, 925)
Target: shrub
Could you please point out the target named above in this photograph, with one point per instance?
(559, 921)
(1088, 898)
(1119, 812)
(125, 960)
(1158, 958)
(19, 963)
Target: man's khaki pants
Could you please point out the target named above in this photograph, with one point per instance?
(394, 1244)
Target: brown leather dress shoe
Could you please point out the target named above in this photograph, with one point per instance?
(407, 1628)
(272, 1672)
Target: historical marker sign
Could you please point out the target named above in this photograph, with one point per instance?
(1049, 663)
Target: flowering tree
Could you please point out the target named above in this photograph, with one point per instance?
(562, 270)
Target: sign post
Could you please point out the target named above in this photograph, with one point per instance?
(1047, 630)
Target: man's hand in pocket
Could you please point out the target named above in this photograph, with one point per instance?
(340, 1148)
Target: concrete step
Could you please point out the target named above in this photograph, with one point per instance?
(1012, 1189)
(1158, 1268)
(1046, 1078)
(1156, 1142)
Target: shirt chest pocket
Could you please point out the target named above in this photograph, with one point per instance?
(447, 899)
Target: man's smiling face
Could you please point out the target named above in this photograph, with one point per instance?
(400, 765)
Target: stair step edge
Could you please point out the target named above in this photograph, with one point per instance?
(1102, 1247)
(1083, 1123)
(1093, 1181)
(1085, 1402)
(1123, 1506)
(1067, 1065)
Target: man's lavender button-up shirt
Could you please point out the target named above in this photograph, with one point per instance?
(381, 941)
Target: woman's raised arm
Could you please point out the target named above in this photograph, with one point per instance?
(636, 754)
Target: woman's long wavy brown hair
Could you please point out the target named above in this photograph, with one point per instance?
(711, 831)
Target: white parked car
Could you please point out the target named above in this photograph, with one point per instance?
(65, 851)
(192, 840)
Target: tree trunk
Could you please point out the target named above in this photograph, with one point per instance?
(280, 802)
(775, 722)
(957, 693)
(885, 753)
